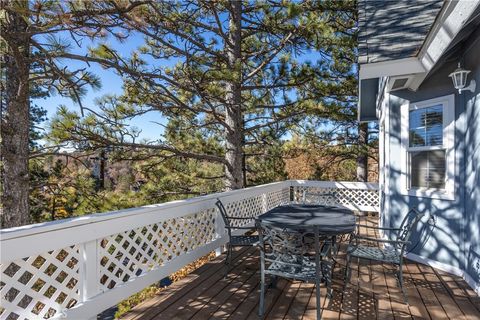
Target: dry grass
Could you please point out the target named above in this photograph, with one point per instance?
(145, 294)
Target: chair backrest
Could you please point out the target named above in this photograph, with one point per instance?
(286, 246)
(408, 224)
(223, 213)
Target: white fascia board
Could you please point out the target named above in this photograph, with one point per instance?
(449, 23)
(390, 68)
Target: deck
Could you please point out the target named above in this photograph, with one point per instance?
(371, 294)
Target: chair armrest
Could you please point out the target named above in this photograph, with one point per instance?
(374, 227)
(382, 240)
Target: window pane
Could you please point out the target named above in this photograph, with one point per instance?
(427, 169)
(426, 127)
(434, 125)
(417, 128)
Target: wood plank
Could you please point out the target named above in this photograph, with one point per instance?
(366, 299)
(429, 299)
(281, 306)
(400, 308)
(190, 303)
(248, 305)
(334, 305)
(216, 296)
(300, 302)
(271, 296)
(460, 296)
(177, 289)
(383, 305)
(235, 300)
(350, 294)
(380, 288)
(203, 282)
(416, 306)
(448, 304)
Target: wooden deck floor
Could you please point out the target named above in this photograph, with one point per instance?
(371, 294)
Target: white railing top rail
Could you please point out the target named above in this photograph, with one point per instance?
(335, 184)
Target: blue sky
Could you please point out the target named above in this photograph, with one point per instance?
(111, 84)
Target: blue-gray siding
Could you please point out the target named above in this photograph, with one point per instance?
(455, 239)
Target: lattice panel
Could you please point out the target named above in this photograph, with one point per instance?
(40, 286)
(255, 206)
(278, 198)
(354, 198)
(128, 254)
(250, 207)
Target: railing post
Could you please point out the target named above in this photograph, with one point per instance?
(88, 272)
(219, 232)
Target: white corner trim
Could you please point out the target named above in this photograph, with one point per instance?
(390, 68)
(447, 268)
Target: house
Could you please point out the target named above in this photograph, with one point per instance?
(429, 129)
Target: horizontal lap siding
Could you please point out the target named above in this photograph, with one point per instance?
(455, 239)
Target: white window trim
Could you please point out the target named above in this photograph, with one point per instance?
(448, 103)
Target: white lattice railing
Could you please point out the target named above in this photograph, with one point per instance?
(358, 196)
(76, 268)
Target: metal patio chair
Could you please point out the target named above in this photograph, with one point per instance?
(289, 253)
(231, 224)
(324, 199)
(392, 251)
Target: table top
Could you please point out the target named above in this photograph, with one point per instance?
(327, 219)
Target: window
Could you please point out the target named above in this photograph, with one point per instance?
(428, 151)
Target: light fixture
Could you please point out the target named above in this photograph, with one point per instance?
(459, 78)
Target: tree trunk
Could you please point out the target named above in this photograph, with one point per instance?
(233, 108)
(362, 157)
(15, 124)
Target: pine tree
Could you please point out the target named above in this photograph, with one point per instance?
(236, 69)
(31, 40)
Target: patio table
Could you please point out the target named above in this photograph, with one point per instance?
(330, 221)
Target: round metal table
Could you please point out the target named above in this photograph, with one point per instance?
(329, 221)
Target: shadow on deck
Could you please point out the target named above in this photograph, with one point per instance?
(372, 294)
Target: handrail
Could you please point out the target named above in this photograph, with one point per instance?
(95, 261)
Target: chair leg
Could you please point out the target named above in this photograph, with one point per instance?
(348, 271)
(273, 283)
(261, 307)
(228, 260)
(400, 281)
(317, 292)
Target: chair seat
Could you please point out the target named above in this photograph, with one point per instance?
(300, 270)
(373, 253)
(244, 240)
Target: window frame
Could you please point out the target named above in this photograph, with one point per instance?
(448, 132)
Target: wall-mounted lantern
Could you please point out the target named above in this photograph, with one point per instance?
(459, 78)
